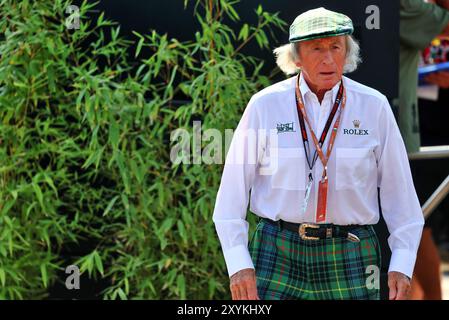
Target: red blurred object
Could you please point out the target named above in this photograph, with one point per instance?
(436, 52)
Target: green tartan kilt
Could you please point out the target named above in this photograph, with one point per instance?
(288, 267)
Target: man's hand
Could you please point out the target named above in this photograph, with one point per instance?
(399, 285)
(243, 285)
(441, 79)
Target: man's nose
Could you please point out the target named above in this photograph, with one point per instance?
(327, 57)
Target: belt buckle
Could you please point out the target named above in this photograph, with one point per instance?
(353, 238)
(302, 231)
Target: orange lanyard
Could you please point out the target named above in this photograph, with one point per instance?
(323, 183)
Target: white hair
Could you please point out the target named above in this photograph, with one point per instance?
(287, 55)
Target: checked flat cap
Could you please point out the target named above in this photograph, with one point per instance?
(319, 23)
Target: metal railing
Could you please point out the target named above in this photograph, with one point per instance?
(426, 153)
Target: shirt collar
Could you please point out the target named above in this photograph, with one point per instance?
(305, 90)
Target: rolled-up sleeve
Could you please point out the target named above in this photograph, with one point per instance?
(399, 202)
(233, 194)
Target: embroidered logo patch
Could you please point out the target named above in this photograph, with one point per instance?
(356, 131)
(285, 127)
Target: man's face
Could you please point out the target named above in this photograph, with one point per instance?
(322, 61)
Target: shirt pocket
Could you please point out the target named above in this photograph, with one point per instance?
(288, 166)
(354, 166)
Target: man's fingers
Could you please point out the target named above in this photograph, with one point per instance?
(242, 290)
(252, 290)
(392, 286)
(235, 292)
(399, 285)
(403, 290)
(238, 291)
(245, 290)
(243, 285)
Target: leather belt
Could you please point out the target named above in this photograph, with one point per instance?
(312, 231)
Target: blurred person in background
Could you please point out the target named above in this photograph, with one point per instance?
(420, 23)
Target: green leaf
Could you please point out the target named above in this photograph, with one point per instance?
(166, 225)
(87, 264)
(38, 192)
(110, 205)
(94, 157)
(244, 32)
(113, 133)
(98, 263)
(122, 294)
(181, 284)
(123, 171)
(100, 19)
(2, 277)
(50, 183)
(182, 231)
(232, 13)
(7, 206)
(3, 251)
(139, 46)
(44, 275)
(212, 284)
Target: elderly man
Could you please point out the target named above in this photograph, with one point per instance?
(337, 146)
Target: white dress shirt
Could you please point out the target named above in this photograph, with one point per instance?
(368, 153)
